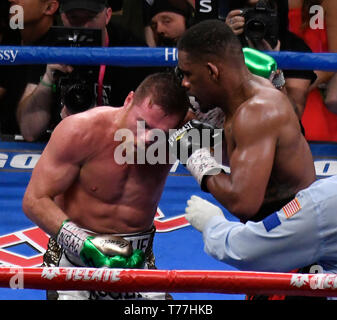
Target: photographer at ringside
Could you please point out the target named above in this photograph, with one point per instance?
(263, 25)
(42, 102)
(39, 16)
(166, 20)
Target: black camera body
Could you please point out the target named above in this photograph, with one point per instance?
(76, 90)
(261, 22)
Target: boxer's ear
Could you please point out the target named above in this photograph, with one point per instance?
(51, 7)
(108, 15)
(148, 103)
(213, 71)
(129, 99)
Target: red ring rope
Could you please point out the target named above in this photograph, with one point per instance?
(126, 280)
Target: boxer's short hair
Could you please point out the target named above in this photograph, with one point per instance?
(210, 37)
(165, 91)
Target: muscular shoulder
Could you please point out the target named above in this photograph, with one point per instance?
(82, 132)
(90, 122)
(266, 111)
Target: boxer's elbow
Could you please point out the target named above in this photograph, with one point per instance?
(242, 209)
(237, 202)
(239, 206)
(29, 205)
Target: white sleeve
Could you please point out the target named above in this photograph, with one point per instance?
(276, 244)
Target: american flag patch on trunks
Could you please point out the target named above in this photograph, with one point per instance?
(291, 208)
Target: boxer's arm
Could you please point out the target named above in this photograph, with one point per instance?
(70, 145)
(255, 136)
(56, 170)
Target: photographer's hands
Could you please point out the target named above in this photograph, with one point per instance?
(52, 69)
(236, 21)
(263, 45)
(34, 108)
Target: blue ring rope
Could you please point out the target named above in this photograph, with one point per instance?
(144, 56)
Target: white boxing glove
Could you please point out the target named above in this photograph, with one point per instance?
(199, 211)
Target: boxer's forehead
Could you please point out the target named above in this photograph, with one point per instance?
(156, 118)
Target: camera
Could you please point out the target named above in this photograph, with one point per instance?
(261, 22)
(76, 90)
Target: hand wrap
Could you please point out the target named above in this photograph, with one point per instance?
(192, 145)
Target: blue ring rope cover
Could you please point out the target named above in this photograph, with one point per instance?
(143, 56)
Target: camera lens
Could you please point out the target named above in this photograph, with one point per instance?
(78, 98)
(255, 29)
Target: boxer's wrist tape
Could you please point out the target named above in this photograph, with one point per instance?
(71, 238)
(277, 79)
(48, 85)
(200, 164)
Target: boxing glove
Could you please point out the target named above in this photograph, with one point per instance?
(98, 250)
(192, 145)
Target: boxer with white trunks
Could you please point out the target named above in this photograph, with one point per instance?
(83, 196)
(136, 245)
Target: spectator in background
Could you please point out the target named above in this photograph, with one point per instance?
(297, 81)
(38, 18)
(40, 106)
(166, 21)
(319, 118)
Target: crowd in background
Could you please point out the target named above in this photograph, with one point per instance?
(29, 105)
